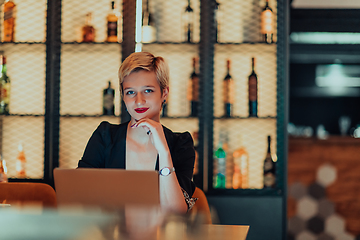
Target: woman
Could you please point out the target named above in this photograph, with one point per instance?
(143, 143)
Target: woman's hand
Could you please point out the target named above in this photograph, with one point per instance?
(171, 195)
(156, 133)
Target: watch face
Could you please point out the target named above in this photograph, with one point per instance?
(165, 171)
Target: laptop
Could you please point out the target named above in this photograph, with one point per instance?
(106, 188)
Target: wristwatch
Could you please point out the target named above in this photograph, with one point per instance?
(166, 171)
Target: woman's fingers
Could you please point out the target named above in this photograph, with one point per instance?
(155, 130)
(146, 124)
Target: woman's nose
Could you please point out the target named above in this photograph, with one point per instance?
(139, 99)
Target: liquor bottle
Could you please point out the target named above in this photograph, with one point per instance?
(188, 22)
(21, 162)
(193, 90)
(9, 21)
(220, 163)
(267, 20)
(112, 24)
(164, 112)
(220, 158)
(229, 92)
(108, 100)
(148, 27)
(269, 168)
(241, 168)
(88, 31)
(253, 91)
(228, 163)
(4, 87)
(3, 170)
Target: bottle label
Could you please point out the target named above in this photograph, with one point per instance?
(20, 168)
(268, 165)
(112, 29)
(241, 170)
(221, 165)
(189, 94)
(108, 102)
(89, 34)
(269, 180)
(267, 22)
(8, 14)
(237, 179)
(253, 89)
(3, 93)
(9, 23)
(195, 89)
(229, 91)
(5, 89)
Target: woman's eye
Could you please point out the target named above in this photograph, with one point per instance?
(148, 91)
(129, 92)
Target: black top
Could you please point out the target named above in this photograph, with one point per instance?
(107, 149)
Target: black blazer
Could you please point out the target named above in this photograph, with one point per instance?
(107, 149)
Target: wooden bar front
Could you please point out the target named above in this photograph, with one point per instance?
(305, 158)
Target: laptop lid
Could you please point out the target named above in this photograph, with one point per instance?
(109, 188)
(225, 232)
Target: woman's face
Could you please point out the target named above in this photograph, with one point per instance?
(142, 95)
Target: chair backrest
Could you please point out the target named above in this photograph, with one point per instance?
(201, 206)
(28, 192)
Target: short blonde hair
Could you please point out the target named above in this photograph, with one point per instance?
(144, 61)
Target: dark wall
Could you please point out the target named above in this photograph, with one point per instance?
(309, 110)
(306, 106)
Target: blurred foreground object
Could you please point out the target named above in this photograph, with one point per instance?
(128, 223)
(50, 224)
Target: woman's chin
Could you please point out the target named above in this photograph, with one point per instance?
(148, 116)
(139, 118)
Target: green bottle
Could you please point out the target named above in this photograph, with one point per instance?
(4, 87)
(220, 158)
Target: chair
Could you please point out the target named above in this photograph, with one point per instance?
(201, 206)
(28, 193)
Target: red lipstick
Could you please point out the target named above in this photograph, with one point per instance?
(141, 110)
